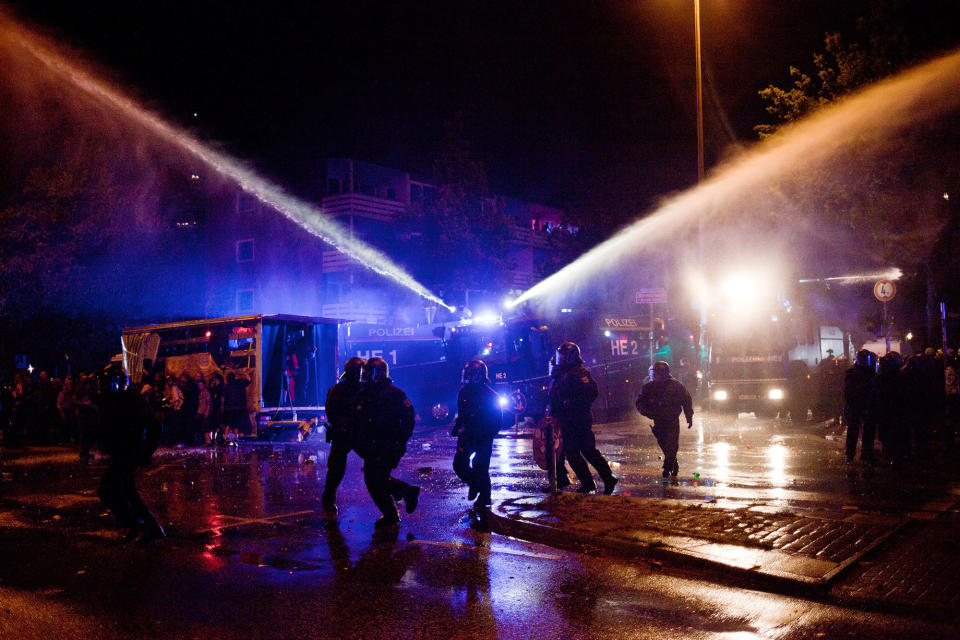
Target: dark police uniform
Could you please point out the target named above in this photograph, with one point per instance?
(857, 382)
(572, 392)
(478, 420)
(662, 401)
(341, 406)
(129, 434)
(385, 423)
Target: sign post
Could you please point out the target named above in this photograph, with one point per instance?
(884, 291)
(652, 296)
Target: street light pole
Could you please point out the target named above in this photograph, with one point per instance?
(700, 163)
(696, 31)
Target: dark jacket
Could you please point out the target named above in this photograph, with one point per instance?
(385, 420)
(342, 399)
(572, 392)
(664, 400)
(478, 412)
(129, 431)
(856, 386)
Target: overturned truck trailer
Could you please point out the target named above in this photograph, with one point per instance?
(290, 361)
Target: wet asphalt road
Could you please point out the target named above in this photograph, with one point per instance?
(249, 554)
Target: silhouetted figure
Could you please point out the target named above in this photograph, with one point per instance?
(479, 418)
(888, 407)
(385, 423)
(129, 433)
(236, 418)
(342, 418)
(857, 381)
(572, 392)
(662, 400)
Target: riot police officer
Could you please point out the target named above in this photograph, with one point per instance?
(385, 423)
(479, 418)
(341, 428)
(572, 392)
(129, 433)
(662, 400)
(857, 382)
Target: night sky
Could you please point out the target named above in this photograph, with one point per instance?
(585, 105)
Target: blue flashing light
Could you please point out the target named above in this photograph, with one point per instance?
(565, 310)
(503, 401)
(607, 334)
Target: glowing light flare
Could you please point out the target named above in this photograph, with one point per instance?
(307, 216)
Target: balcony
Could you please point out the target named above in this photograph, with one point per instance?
(529, 237)
(519, 279)
(333, 261)
(352, 311)
(354, 204)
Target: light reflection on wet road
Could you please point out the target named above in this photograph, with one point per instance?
(249, 554)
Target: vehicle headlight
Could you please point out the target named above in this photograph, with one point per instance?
(775, 394)
(720, 394)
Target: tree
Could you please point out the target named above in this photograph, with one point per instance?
(894, 35)
(459, 239)
(883, 195)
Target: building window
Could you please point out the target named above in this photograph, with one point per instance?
(245, 250)
(244, 300)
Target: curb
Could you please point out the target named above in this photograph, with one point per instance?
(772, 573)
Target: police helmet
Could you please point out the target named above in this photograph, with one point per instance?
(569, 354)
(661, 369)
(375, 370)
(865, 358)
(352, 369)
(475, 371)
(891, 362)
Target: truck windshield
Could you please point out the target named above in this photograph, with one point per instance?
(757, 355)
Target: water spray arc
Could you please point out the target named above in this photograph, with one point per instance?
(307, 216)
(914, 96)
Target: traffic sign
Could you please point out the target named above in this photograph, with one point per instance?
(884, 290)
(652, 296)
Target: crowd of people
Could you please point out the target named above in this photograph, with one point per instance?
(912, 405)
(192, 409)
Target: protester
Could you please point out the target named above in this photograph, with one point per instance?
(236, 418)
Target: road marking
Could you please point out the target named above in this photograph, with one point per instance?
(240, 522)
(469, 547)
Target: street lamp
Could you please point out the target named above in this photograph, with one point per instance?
(700, 163)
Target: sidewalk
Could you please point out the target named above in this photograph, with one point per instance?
(868, 560)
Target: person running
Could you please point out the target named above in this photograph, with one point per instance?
(479, 418)
(662, 400)
(341, 428)
(572, 392)
(385, 423)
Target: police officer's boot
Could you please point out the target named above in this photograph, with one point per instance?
(390, 515)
